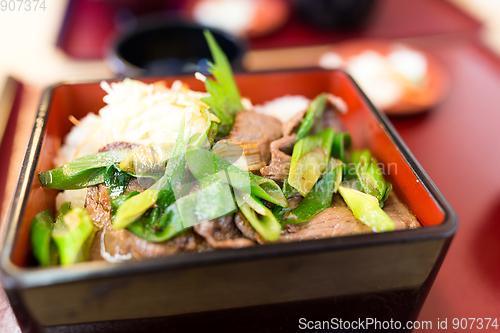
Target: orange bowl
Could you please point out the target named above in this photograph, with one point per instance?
(415, 99)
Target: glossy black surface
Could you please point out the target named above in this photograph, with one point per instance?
(336, 14)
(159, 47)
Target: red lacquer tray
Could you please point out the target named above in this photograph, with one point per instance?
(356, 272)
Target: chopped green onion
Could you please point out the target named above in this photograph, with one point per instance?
(65, 208)
(211, 201)
(158, 226)
(319, 198)
(309, 159)
(370, 176)
(147, 161)
(44, 249)
(365, 208)
(133, 208)
(73, 234)
(258, 215)
(341, 143)
(118, 201)
(116, 180)
(312, 117)
(205, 165)
(83, 172)
(234, 152)
(288, 192)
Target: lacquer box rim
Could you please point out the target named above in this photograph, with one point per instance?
(16, 277)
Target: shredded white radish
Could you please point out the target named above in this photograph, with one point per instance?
(136, 112)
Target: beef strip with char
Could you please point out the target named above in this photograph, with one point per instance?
(221, 233)
(251, 127)
(281, 149)
(400, 214)
(112, 243)
(338, 220)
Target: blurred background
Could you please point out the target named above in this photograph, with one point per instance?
(71, 37)
(431, 65)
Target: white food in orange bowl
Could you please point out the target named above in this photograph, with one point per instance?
(397, 78)
(245, 18)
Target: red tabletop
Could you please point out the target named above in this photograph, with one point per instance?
(455, 143)
(89, 25)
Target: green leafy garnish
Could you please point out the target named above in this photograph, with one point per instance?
(225, 98)
(116, 180)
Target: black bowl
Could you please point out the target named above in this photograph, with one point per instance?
(339, 15)
(158, 47)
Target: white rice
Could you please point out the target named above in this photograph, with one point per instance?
(284, 107)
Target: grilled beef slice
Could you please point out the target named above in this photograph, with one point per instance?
(335, 221)
(112, 244)
(221, 233)
(281, 150)
(251, 127)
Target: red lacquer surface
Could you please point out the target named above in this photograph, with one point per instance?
(456, 144)
(80, 99)
(90, 24)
